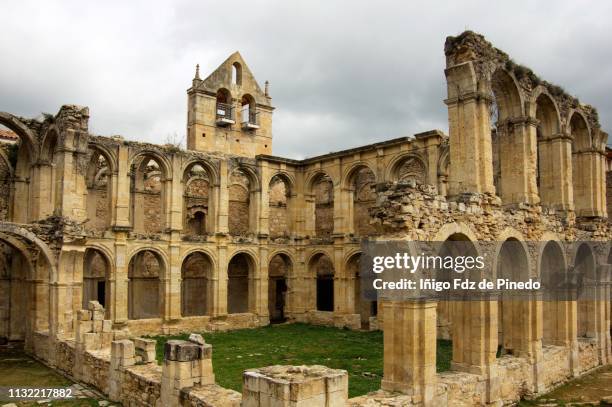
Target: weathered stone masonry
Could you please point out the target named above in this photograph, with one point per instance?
(105, 239)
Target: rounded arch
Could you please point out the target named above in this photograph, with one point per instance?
(204, 250)
(286, 177)
(162, 161)
(547, 114)
(211, 170)
(444, 161)
(224, 96)
(314, 177)
(236, 73)
(316, 253)
(507, 94)
(251, 174)
(455, 228)
(160, 254)
(352, 170)
(17, 126)
(25, 235)
(579, 130)
(49, 144)
(107, 153)
(411, 165)
(518, 245)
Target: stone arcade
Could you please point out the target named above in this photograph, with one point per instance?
(104, 240)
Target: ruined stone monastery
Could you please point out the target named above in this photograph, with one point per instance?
(103, 240)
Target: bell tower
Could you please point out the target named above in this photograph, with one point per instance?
(228, 112)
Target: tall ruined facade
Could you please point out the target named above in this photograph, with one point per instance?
(225, 235)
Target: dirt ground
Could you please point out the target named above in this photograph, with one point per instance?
(584, 391)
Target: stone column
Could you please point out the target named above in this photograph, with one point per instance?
(122, 355)
(555, 168)
(186, 364)
(410, 348)
(261, 287)
(119, 288)
(518, 156)
(122, 197)
(295, 386)
(601, 305)
(471, 156)
(220, 282)
(222, 199)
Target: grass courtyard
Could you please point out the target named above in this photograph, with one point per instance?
(360, 353)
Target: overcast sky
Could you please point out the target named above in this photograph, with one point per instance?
(342, 73)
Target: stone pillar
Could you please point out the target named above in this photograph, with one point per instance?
(220, 282)
(119, 287)
(186, 363)
(122, 355)
(555, 168)
(475, 325)
(261, 287)
(295, 386)
(471, 156)
(122, 199)
(410, 348)
(144, 350)
(172, 282)
(518, 156)
(601, 315)
(222, 199)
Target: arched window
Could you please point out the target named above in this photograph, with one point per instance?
(239, 221)
(323, 191)
(196, 197)
(322, 266)
(249, 113)
(147, 209)
(236, 74)
(98, 181)
(363, 197)
(278, 197)
(223, 109)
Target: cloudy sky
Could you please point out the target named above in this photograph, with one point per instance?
(342, 73)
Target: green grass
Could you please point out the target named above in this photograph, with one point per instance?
(360, 353)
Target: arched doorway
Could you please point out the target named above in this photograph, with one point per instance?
(515, 310)
(278, 273)
(196, 289)
(96, 272)
(364, 307)
(322, 267)
(25, 274)
(239, 279)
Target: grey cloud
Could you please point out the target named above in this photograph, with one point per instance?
(342, 73)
